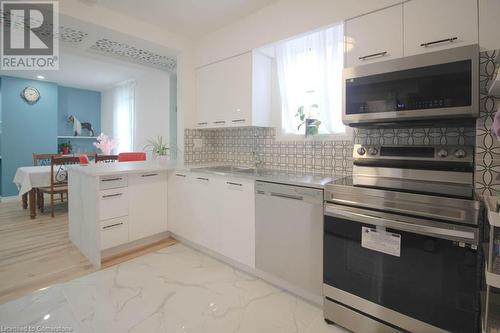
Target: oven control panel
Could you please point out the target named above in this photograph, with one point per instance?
(429, 153)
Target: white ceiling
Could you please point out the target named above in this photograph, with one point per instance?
(91, 72)
(192, 18)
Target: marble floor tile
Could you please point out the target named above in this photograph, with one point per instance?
(176, 289)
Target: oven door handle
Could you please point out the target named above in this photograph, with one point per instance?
(452, 234)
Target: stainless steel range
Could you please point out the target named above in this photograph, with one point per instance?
(400, 242)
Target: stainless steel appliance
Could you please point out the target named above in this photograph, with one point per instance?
(437, 85)
(400, 242)
(288, 237)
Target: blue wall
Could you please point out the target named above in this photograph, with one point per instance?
(84, 105)
(28, 129)
(25, 128)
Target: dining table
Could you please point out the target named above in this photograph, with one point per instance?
(27, 180)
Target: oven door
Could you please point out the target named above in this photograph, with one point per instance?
(434, 281)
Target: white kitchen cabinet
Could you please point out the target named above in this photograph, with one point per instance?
(489, 24)
(374, 37)
(204, 201)
(236, 238)
(148, 204)
(179, 209)
(431, 25)
(234, 92)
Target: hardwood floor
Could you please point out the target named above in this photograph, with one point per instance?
(37, 253)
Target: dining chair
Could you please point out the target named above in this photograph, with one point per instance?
(105, 158)
(41, 160)
(131, 157)
(58, 178)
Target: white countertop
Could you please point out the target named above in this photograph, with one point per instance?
(105, 169)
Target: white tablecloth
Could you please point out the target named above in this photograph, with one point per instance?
(33, 176)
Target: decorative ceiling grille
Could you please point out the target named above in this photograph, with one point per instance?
(135, 54)
(71, 35)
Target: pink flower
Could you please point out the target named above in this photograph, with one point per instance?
(105, 144)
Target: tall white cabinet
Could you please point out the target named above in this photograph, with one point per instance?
(234, 92)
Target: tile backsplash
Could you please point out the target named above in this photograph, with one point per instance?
(245, 146)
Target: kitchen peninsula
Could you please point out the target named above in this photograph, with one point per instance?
(116, 207)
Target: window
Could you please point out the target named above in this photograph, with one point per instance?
(123, 115)
(309, 70)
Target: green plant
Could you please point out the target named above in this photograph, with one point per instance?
(157, 146)
(311, 124)
(65, 145)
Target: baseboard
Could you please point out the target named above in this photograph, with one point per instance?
(120, 250)
(14, 198)
(277, 282)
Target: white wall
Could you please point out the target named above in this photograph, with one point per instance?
(91, 12)
(152, 108)
(282, 20)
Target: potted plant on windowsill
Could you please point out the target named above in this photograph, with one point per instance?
(65, 148)
(158, 148)
(311, 125)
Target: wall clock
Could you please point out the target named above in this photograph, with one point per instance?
(31, 95)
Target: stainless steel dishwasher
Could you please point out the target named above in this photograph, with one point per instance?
(289, 237)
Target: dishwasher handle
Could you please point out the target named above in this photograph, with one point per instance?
(287, 196)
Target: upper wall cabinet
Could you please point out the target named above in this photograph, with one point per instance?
(489, 24)
(431, 25)
(374, 37)
(234, 92)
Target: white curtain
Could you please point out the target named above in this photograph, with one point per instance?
(310, 73)
(123, 115)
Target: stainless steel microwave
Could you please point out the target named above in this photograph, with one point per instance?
(437, 85)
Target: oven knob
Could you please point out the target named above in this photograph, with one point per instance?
(443, 153)
(460, 153)
(373, 151)
(361, 151)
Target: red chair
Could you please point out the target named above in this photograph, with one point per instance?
(131, 157)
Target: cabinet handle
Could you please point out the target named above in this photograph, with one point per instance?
(287, 196)
(110, 179)
(150, 175)
(180, 175)
(236, 184)
(201, 178)
(220, 122)
(449, 40)
(112, 225)
(205, 123)
(238, 120)
(379, 54)
(112, 195)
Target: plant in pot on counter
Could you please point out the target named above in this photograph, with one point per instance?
(158, 148)
(310, 124)
(65, 148)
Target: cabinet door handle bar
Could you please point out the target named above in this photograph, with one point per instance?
(201, 178)
(112, 225)
(111, 179)
(449, 40)
(180, 175)
(236, 184)
(112, 195)
(238, 120)
(379, 54)
(150, 175)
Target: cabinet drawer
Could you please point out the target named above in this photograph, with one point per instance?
(113, 181)
(113, 203)
(114, 232)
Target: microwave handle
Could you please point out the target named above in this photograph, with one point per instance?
(458, 235)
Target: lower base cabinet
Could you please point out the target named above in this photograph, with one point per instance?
(215, 212)
(147, 204)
